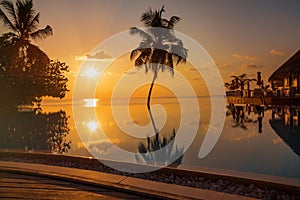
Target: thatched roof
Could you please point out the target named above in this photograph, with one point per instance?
(291, 66)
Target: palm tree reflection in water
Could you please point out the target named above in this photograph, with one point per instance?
(172, 155)
(240, 117)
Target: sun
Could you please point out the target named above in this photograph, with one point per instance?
(92, 125)
(91, 72)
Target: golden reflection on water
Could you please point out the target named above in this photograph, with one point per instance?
(237, 149)
(91, 102)
(140, 116)
(137, 106)
(92, 125)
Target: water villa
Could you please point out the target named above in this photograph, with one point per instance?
(285, 84)
(287, 76)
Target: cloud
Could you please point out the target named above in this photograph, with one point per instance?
(108, 73)
(80, 58)
(107, 124)
(130, 72)
(101, 54)
(245, 57)
(103, 146)
(223, 65)
(98, 55)
(251, 66)
(73, 73)
(277, 53)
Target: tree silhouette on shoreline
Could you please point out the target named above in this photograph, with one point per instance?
(242, 80)
(26, 72)
(239, 82)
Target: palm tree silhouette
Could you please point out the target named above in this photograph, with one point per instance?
(22, 21)
(242, 80)
(231, 86)
(159, 49)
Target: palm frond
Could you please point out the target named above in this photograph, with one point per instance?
(146, 43)
(134, 53)
(139, 62)
(161, 10)
(42, 33)
(23, 13)
(170, 64)
(229, 86)
(8, 38)
(243, 75)
(156, 56)
(159, 50)
(173, 20)
(235, 77)
(147, 17)
(143, 34)
(179, 52)
(178, 59)
(9, 7)
(34, 23)
(165, 23)
(6, 21)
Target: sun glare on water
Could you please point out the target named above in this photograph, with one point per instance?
(90, 103)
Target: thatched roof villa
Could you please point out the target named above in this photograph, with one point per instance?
(287, 75)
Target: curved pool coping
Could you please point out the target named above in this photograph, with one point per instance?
(264, 181)
(136, 186)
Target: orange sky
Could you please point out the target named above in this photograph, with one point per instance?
(239, 36)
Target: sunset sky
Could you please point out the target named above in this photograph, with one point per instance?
(240, 36)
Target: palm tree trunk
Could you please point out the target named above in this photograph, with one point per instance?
(153, 123)
(149, 109)
(150, 91)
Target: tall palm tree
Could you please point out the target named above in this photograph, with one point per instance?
(159, 48)
(22, 21)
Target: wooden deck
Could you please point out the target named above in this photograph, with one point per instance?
(281, 101)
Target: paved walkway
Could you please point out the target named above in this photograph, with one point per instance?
(21, 186)
(44, 181)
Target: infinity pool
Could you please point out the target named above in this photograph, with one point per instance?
(259, 140)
